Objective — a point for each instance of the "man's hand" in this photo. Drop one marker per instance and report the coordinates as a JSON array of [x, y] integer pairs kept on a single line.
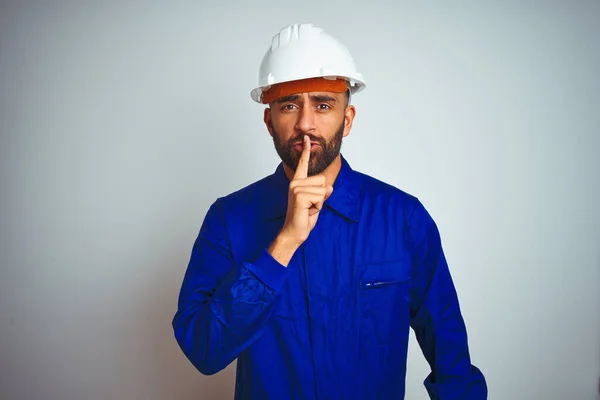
[[305, 200]]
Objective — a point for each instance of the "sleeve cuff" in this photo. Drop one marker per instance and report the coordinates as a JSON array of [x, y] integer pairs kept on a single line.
[[268, 270], [470, 387]]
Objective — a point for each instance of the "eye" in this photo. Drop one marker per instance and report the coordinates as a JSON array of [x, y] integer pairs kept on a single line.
[[323, 106], [288, 107]]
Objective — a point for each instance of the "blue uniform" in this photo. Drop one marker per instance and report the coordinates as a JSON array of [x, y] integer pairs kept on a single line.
[[335, 323]]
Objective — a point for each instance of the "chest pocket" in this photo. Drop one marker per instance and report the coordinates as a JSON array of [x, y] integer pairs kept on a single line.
[[385, 300]]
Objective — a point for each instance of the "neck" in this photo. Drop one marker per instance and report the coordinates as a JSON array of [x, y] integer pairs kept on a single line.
[[330, 173]]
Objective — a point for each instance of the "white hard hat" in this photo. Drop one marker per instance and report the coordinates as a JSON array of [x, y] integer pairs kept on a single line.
[[302, 51]]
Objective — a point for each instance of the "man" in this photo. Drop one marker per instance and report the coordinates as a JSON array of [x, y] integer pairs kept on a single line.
[[312, 276]]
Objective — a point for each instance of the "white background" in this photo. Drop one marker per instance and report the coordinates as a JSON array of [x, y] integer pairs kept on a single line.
[[121, 122]]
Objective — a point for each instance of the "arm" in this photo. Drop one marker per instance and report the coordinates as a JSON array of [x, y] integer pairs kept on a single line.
[[223, 306], [436, 318]]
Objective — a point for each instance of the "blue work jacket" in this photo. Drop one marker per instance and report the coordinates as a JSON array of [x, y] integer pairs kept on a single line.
[[335, 323]]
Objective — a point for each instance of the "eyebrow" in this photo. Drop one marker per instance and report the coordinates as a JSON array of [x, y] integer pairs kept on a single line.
[[315, 97], [286, 99], [323, 98]]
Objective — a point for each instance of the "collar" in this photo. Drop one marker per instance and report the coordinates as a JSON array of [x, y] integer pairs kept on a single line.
[[345, 199]]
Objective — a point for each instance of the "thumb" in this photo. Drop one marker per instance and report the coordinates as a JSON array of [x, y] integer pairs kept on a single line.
[[329, 192]]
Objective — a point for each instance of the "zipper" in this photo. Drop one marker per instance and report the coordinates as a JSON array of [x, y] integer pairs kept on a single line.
[[375, 285]]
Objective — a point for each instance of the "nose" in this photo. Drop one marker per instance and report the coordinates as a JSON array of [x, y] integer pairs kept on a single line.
[[306, 119]]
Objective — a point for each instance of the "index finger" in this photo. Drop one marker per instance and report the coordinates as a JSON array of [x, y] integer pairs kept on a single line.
[[302, 168]]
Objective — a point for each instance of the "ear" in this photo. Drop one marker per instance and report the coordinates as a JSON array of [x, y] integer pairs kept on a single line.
[[267, 119], [349, 115]]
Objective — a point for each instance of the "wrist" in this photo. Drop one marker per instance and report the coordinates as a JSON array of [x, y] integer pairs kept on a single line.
[[283, 248], [288, 241]]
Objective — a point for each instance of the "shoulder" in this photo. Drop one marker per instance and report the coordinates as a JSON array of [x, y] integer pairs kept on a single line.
[[381, 196], [248, 198], [397, 205], [379, 191]]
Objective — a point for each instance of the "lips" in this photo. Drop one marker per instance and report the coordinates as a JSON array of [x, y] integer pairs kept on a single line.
[[300, 146]]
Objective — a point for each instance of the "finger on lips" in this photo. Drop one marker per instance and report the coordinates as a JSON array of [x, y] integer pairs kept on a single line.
[[302, 169]]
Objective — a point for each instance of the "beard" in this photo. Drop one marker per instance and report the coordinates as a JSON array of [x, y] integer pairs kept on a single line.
[[320, 158]]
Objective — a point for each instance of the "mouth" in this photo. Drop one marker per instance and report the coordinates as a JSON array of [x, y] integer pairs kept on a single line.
[[299, 146]]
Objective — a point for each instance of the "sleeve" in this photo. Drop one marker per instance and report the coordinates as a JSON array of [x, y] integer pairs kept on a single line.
[[436, 317], [222, 306]]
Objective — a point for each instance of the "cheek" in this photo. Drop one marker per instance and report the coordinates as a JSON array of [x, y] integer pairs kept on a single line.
[[329, 125], [283, 133], [278, 136]]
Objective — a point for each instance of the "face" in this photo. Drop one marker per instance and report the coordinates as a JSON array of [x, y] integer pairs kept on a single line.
[[323, 152], [323, 116]]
